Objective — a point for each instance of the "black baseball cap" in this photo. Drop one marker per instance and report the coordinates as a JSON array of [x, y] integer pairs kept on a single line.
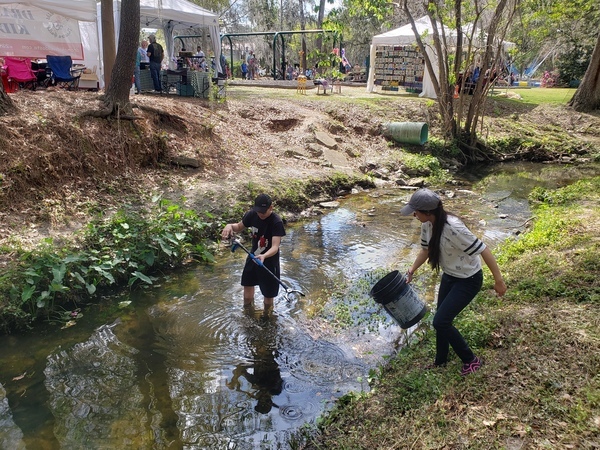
[[262, 203]]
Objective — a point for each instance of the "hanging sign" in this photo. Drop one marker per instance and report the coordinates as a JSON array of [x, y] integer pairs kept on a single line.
[[30, 32]]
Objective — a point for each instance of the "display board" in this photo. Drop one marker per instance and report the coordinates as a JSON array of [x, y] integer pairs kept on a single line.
[[399, 66]]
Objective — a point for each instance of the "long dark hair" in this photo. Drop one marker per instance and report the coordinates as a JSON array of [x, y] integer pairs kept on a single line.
[[433, 249]]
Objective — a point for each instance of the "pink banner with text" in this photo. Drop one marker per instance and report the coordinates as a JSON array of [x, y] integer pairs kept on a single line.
[[30, 32]]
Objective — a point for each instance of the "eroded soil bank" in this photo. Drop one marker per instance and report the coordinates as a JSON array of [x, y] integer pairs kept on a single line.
[[57, 168]]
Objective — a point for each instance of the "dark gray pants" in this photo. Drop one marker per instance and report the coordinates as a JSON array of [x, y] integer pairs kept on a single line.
[[155, 74], [454, 295]]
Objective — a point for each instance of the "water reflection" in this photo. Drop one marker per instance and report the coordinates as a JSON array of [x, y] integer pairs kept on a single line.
[[95, 395], [261, 371], [11, 435], [235, 378]]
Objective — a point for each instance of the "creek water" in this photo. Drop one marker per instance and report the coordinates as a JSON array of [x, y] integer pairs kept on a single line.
[[182, 365]]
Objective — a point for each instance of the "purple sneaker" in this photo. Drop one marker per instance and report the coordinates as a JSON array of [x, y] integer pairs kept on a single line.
[[472, 367]]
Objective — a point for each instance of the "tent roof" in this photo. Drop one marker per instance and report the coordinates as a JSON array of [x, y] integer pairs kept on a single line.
[[153, 13], [403, 35], [83, 10], [176, 13]]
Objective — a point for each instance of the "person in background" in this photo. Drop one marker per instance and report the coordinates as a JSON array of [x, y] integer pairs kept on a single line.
[[244, 68], [267, 230], [448, 244], [155, 54], [224, 67], [252, 66], [200, 56], [143, 49], [140, 57]]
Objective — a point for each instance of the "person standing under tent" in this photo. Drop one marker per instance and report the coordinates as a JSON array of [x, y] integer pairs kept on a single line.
[[200, 58], [267, 230], [140, 57], [155, 54], [448, 244]]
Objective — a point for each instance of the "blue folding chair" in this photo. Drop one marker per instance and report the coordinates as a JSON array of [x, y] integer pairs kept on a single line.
[[62, 73]]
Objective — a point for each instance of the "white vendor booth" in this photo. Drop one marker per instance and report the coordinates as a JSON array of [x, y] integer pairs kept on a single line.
[[36, 28], [397, 62]]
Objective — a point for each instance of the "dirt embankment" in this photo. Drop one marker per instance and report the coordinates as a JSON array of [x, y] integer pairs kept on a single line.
[[57, 168]]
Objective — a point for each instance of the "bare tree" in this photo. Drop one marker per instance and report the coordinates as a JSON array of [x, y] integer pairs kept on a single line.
[[441, 83], [461, 118], [587, 95]]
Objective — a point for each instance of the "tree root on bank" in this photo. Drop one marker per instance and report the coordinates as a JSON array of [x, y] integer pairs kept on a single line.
[[165, 118], [150, 109], [7, 106], [111, 110], [478, 152]]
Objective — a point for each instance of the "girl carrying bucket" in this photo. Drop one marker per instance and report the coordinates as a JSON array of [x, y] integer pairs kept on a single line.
[[448, 244]]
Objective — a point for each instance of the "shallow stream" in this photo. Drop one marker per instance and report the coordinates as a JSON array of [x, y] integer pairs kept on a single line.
[[182, 365]]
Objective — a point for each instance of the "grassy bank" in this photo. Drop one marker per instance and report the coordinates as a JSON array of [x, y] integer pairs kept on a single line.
[[540, 384]]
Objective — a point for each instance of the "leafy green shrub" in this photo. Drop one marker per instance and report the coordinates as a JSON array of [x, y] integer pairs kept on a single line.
[[128, 248]]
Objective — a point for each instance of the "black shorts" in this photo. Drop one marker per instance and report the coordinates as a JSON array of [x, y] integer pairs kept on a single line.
[[254, 275]]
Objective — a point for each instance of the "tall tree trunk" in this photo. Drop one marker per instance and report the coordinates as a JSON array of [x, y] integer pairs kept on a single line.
[[302, 27], [587, 95], [108, 38], [7, 106], [116, 100], [121, 79], [320, 17]]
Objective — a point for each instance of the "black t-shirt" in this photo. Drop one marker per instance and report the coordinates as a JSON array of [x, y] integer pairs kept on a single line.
[[156, 52], [263, 231]]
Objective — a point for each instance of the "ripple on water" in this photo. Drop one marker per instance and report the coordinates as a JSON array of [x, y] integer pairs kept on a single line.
[[291, 412], [294, 386], [318, 363]]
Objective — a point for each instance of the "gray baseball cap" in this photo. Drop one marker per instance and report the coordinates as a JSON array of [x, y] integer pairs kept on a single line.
[[422, 200]]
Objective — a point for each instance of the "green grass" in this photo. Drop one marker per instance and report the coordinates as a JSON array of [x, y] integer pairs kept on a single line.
[[541, 96]]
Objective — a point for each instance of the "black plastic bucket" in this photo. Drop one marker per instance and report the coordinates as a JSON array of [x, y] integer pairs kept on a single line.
[[399, 299]]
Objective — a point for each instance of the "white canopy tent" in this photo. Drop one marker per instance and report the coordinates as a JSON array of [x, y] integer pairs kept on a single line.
[[35, 28], [405, 36], [167, 15], [172, 16]]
